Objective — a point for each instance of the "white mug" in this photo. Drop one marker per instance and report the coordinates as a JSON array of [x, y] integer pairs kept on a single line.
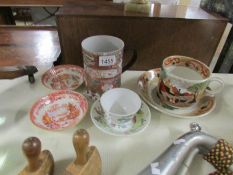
[[103, 57]]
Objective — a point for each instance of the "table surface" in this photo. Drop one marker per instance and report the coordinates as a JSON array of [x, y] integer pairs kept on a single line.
[[37, 46], [120, 155]]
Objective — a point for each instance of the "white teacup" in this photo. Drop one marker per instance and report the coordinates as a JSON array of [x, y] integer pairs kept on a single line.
[[120, 106]]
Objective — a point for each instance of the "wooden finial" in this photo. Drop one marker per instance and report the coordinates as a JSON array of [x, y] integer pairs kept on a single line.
[[39, 163], [32, 148], [87, 160], [81, 143]]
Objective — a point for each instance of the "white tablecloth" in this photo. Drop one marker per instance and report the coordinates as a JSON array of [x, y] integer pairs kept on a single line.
[[120, 155]]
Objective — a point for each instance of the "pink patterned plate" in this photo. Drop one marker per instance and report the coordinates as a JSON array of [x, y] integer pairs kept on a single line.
[[59, 110], [63, 77]]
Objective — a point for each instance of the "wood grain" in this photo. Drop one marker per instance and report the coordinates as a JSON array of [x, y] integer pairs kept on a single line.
[[39, 162], [33, 3], [87, 161], [174, 32], [36, 46], [104, 8]]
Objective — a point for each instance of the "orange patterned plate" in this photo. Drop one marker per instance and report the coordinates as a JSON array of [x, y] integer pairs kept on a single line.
[[63, 77], [59, 110]]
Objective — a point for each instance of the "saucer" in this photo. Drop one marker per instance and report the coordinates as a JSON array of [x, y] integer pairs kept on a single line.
[[59, 110], [63, 77], [141, 120], [147, 87]]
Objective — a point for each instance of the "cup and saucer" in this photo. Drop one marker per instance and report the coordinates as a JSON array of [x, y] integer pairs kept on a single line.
[[180, 88], [120, 112]]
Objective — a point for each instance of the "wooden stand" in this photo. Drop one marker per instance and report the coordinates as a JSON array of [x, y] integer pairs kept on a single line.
[[88, 161], [39, 163]]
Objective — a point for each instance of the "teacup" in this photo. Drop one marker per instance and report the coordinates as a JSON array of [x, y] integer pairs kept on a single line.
[[120, 106], [184, 81]]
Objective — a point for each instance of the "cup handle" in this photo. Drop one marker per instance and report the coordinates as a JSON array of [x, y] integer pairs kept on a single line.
[[131, 61], [213, 91]]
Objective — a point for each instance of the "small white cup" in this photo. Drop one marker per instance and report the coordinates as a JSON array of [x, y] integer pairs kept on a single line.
[[120, 106]]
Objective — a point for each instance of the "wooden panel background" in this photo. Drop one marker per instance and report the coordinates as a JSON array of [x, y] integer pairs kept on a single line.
[[153, 38], [42, 3]]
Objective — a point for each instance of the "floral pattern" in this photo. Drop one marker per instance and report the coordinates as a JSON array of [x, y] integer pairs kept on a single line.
[[178, 92], [148, 90], [140, 121], [59, 110], [99, 78], [187, 62], [63, 77]]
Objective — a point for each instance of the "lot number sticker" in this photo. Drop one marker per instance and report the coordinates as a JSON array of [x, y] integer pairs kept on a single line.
[[107, 60]]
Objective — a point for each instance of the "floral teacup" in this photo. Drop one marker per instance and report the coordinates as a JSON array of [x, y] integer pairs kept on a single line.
[[120, 106], [184, 81]]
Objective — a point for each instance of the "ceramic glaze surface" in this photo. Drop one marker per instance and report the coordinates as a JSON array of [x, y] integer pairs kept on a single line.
[[120, 101], [59, 110], [185, 73], [183, 81], [120, 106], [148, 89], [140, 121], [102, 58], [63, 77]]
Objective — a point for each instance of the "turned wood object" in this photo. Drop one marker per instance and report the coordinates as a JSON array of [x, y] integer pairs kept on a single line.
[[39, 162], [87, 161]]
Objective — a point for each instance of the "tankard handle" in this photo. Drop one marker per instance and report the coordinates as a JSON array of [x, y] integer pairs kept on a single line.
[[131, 61]]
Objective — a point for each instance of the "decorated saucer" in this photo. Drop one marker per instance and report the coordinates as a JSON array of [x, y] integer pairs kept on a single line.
[[63, 77], [59, 110], [141, 120], [147, 87]]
